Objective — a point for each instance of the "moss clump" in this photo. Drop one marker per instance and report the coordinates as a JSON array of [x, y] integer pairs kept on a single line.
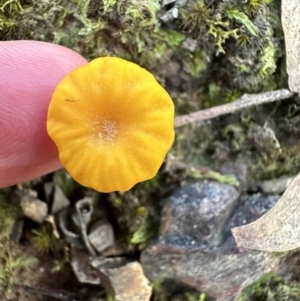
[[45, 242], [271, 287], [210, 40], [199, 19], [9, 213], [11, 257], [247, 32], [12, 262]]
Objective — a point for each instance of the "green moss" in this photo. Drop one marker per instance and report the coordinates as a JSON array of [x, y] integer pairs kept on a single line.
[[9, 213], [268, 64], [199, 19], [252, 6], [271, 287], [44, 240], [12, 262], [195, 297], [219, 95], [247, 32], [145, 230], [213, 175], [12, 258], [10, 10], [136, 214], [237, 48], [195, 63], [233, 13], [108, 5]]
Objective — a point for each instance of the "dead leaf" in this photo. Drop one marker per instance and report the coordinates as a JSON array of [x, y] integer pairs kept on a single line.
[[291, 26], [279, 229]]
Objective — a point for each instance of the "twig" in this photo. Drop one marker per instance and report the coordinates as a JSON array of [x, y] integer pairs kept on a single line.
[[246, 101]]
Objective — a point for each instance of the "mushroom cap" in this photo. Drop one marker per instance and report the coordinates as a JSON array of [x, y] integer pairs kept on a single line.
[[112, 123]]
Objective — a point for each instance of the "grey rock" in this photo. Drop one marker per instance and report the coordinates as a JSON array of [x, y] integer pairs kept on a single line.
[[171, 14], [194, 216], [250, 208], [48, 190], [102, 236], [80, 262], [60, 201], [196, 248], [34, 208], [219, 276], [17, 230], [241, 171], [167, 2], [124, 279], [275, 186]]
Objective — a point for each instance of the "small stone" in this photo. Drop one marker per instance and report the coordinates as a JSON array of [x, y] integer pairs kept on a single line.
[[189, 44], [48, 190], [205, 256], [195, 214], [102, 236], [60, 201], [275, 186], [80, 262], [125, 280], [170, 15], [167, 2], [17, 230], [241, 171], [34, 208], [250, 209]]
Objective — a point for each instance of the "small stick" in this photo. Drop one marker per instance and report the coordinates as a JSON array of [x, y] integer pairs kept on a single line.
[[245, 101]]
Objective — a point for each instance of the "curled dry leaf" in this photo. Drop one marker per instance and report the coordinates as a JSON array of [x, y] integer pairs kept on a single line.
[[279, 229], [290, 22]]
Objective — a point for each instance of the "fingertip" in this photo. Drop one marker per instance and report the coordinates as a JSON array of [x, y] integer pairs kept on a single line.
[[29, 73]]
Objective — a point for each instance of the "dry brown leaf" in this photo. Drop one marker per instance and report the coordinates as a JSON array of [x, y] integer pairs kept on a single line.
[[291, 26], [279, 229]]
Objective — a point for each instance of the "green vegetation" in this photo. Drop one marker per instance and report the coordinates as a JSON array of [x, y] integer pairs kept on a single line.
[[247, 32], [45, 242], [162, 294], [271, 287], [12, 263], [211, 54], [136, 214], [11, 257]]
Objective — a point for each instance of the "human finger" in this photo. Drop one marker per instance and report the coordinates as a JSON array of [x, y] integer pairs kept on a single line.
[[29, 73]]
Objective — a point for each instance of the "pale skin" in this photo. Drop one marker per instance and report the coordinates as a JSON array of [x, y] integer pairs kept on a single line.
[[29, 73]]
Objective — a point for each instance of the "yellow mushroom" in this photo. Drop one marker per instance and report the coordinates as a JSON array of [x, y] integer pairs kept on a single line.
[[112, 124]]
